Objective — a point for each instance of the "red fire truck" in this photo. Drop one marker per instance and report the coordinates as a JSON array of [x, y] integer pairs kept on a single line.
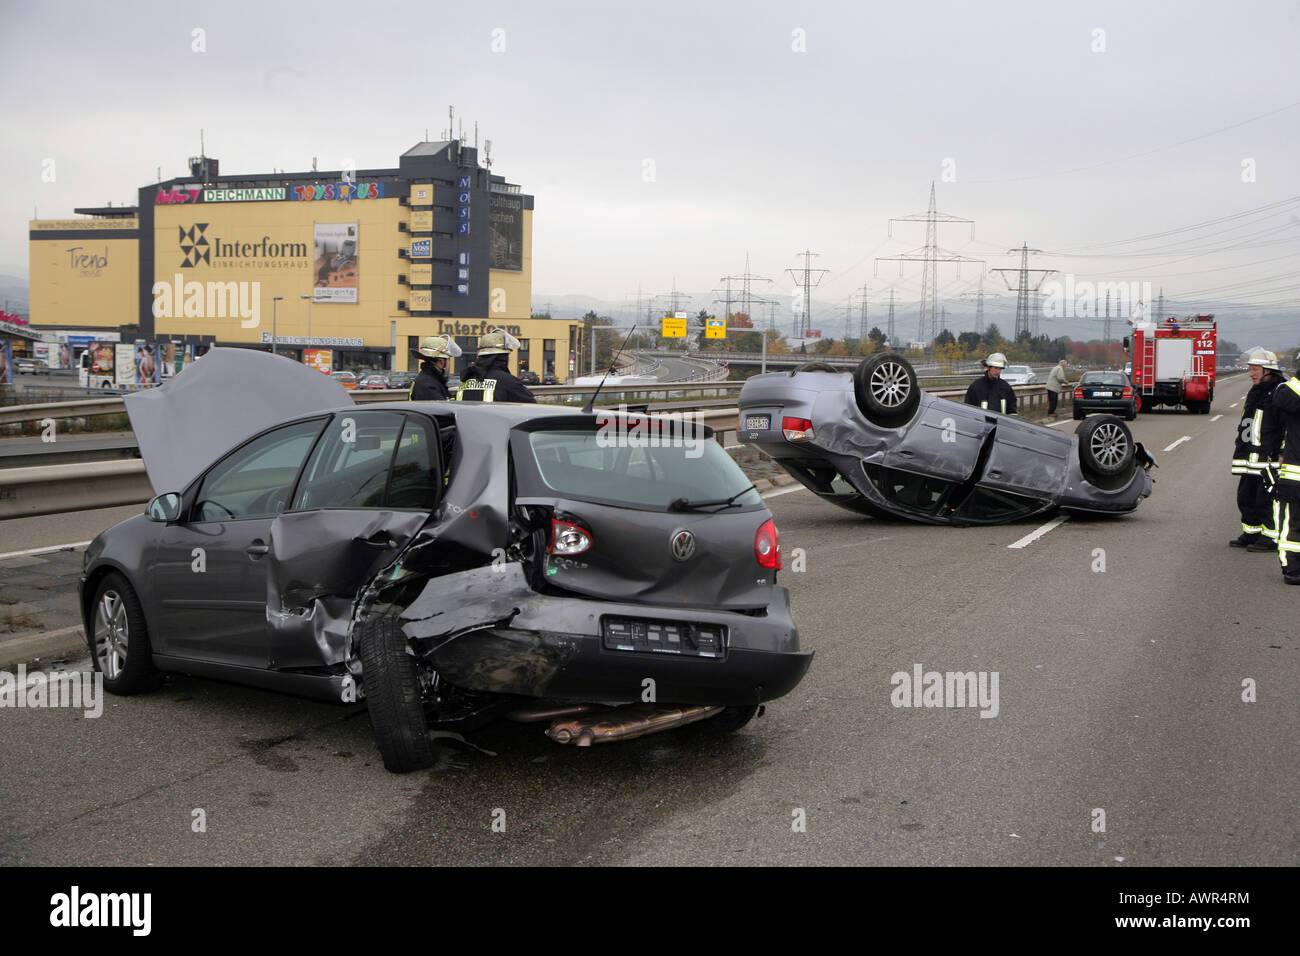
[[1173, 362]]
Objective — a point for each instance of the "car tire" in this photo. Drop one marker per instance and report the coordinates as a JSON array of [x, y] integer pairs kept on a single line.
[[730, 720], [886, 389], [392, 688], [1132, 413], [817, 367], [1105, 446], [119, 639], [1078, 414]]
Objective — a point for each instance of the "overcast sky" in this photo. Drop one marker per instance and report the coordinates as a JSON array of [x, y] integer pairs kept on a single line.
[[665, 140]]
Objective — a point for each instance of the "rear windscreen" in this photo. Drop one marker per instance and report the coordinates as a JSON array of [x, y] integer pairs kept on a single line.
[[627, 469], [1104, 378]]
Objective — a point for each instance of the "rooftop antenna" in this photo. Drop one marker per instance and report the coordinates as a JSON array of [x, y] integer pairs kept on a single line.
[[476, 134], [313, 164]]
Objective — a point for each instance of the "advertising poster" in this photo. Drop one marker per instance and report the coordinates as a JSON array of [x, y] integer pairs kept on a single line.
[[507, 232], [322, 360], [124, 373], [335, 266], [6, 362], [147, 369], [46, 352]]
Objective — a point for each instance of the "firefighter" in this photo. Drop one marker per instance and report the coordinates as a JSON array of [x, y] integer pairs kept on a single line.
[[431, 384], [1286, 493], [1257, 438], [488, 377], [989, 391]]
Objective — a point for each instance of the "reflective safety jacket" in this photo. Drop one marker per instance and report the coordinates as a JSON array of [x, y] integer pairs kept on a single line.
[[1286, 401], [993, 394], [477, 390], [1259, 432]]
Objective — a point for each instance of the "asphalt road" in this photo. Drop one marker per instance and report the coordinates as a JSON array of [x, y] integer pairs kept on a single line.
[[1119, 690]]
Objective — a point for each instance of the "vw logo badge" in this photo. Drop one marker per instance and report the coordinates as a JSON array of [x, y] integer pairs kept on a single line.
[[683, 545]]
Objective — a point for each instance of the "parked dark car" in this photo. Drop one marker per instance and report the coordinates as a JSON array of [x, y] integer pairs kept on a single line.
[[400, 379], [550, 380], [445, 562], [529, 378], [873, 442], [1105, 392]]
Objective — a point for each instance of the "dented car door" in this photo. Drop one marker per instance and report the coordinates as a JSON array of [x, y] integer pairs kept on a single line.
[[369, 486]]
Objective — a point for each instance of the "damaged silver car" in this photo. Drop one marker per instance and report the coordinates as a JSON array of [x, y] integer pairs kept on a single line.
[[448, 563], [875, 443]]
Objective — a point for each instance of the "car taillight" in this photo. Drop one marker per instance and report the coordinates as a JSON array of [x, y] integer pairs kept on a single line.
[[767, 546], [1078, 391], [797, 429], [1128, 392], [568, 538]]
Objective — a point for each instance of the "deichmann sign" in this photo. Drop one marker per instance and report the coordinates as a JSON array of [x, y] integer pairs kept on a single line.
[[260, 194]]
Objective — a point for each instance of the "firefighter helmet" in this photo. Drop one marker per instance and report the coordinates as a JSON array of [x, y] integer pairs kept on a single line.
[[439, 346], [996, 360], [497, 342], [1261, 357]]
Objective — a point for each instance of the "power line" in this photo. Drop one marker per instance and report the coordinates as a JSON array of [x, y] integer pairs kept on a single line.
[[806, 281], [1022, 286]]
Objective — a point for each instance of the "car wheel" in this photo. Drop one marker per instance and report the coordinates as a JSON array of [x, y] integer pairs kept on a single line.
[[1105, 446], [816, 367], [119, 639], [392, 687], [730, 720], [886, 389]]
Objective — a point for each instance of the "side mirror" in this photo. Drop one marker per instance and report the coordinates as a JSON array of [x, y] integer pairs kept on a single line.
[[165, 507]]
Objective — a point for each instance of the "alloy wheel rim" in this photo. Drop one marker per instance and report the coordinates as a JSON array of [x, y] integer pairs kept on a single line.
[[1109, 446], [111, 634], [890, 385]]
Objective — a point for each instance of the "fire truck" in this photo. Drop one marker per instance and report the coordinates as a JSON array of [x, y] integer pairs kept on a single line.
[[1173, 362]]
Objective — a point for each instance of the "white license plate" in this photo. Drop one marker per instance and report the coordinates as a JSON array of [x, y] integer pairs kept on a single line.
[[756, 423], [1103, 394]]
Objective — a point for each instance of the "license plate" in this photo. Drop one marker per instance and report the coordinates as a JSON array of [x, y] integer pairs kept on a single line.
[[1103, 394], [757, 423], [663, 637]]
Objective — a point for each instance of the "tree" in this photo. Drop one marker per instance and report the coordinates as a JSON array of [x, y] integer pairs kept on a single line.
[[944, 339], [739, 320], [875, 340], [969, 342]]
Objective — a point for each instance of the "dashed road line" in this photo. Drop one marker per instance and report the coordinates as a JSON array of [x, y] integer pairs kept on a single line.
[[1233, 405], [1033, 536], [784, 491], [1174, 445], [1216, 418]]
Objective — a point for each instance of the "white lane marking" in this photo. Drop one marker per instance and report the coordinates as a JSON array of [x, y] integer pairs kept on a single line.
[[53, 547], [1216, 418], [1033, 536], [1054, 424], [783, 491], [1177, 443], [1233, 405]]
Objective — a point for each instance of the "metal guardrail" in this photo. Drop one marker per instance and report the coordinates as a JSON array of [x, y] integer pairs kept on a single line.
[[55, 489]]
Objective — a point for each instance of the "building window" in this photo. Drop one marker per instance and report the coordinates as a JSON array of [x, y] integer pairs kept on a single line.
[[548, 355], [523, 354]]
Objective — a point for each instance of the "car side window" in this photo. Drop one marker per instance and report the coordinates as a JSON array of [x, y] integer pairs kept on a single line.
[[256, 480], [416, 473], [351, 464]]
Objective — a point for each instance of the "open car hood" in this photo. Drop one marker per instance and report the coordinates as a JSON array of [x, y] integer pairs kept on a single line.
[[224, 397]]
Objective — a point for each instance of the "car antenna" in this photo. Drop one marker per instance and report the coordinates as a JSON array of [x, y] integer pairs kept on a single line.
[[586, 409]]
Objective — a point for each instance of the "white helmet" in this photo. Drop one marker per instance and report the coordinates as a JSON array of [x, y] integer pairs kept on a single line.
[[1261, 357], [996, 360]]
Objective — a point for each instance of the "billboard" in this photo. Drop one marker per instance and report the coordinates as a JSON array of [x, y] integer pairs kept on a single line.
[[322, 360], [124, 368], [336, 263], [146, 365], [507, 232], [172, 357]]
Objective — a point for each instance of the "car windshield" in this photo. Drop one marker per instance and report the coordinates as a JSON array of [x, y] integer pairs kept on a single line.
[[1103, 378], [619, 468], [1018, 370]]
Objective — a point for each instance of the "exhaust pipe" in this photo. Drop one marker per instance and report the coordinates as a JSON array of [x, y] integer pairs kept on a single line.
[[624, 723], [526, 715]]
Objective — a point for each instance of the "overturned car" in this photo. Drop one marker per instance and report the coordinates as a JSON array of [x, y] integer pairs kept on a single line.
[[448, 562], [873, 442]]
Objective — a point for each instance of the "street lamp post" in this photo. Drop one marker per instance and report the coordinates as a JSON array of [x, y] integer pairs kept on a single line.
[[274, 337], [309, 298]]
